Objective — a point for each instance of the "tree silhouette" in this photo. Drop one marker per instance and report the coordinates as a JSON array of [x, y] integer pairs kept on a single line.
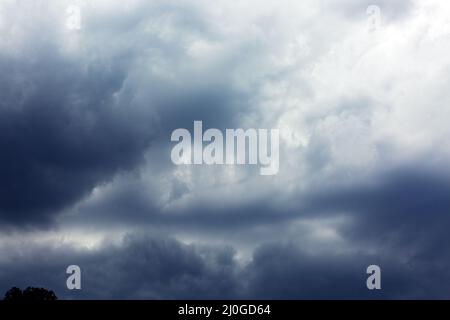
[[13, 294], [30, 294]]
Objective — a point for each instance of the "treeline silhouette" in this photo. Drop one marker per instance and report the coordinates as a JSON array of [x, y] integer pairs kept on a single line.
[[30, 294]]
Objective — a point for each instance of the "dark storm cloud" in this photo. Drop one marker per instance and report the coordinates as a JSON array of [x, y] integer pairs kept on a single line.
[[133, 206], [61, 133], [410, 202], [401, 216], [283, 271], [404, 207], [70, 122], [68, 125], [141, 268], [161, 268]]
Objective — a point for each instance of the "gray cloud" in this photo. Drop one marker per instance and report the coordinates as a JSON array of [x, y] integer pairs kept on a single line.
[[85, 121], [162, 269], [411, 202], [166, 269], [73, 121], [63, 134]]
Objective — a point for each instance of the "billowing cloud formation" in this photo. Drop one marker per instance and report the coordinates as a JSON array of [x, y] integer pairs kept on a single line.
[[166, 269], [63, 136], [76, 112], [362, 108]]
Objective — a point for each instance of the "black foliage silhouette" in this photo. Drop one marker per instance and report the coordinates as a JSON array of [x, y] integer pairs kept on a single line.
[[30, 294]]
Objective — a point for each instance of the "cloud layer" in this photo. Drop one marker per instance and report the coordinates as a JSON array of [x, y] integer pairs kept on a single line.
[[86, 177]]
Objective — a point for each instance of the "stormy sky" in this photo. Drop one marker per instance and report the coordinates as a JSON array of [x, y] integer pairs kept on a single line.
[[361, 102]]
